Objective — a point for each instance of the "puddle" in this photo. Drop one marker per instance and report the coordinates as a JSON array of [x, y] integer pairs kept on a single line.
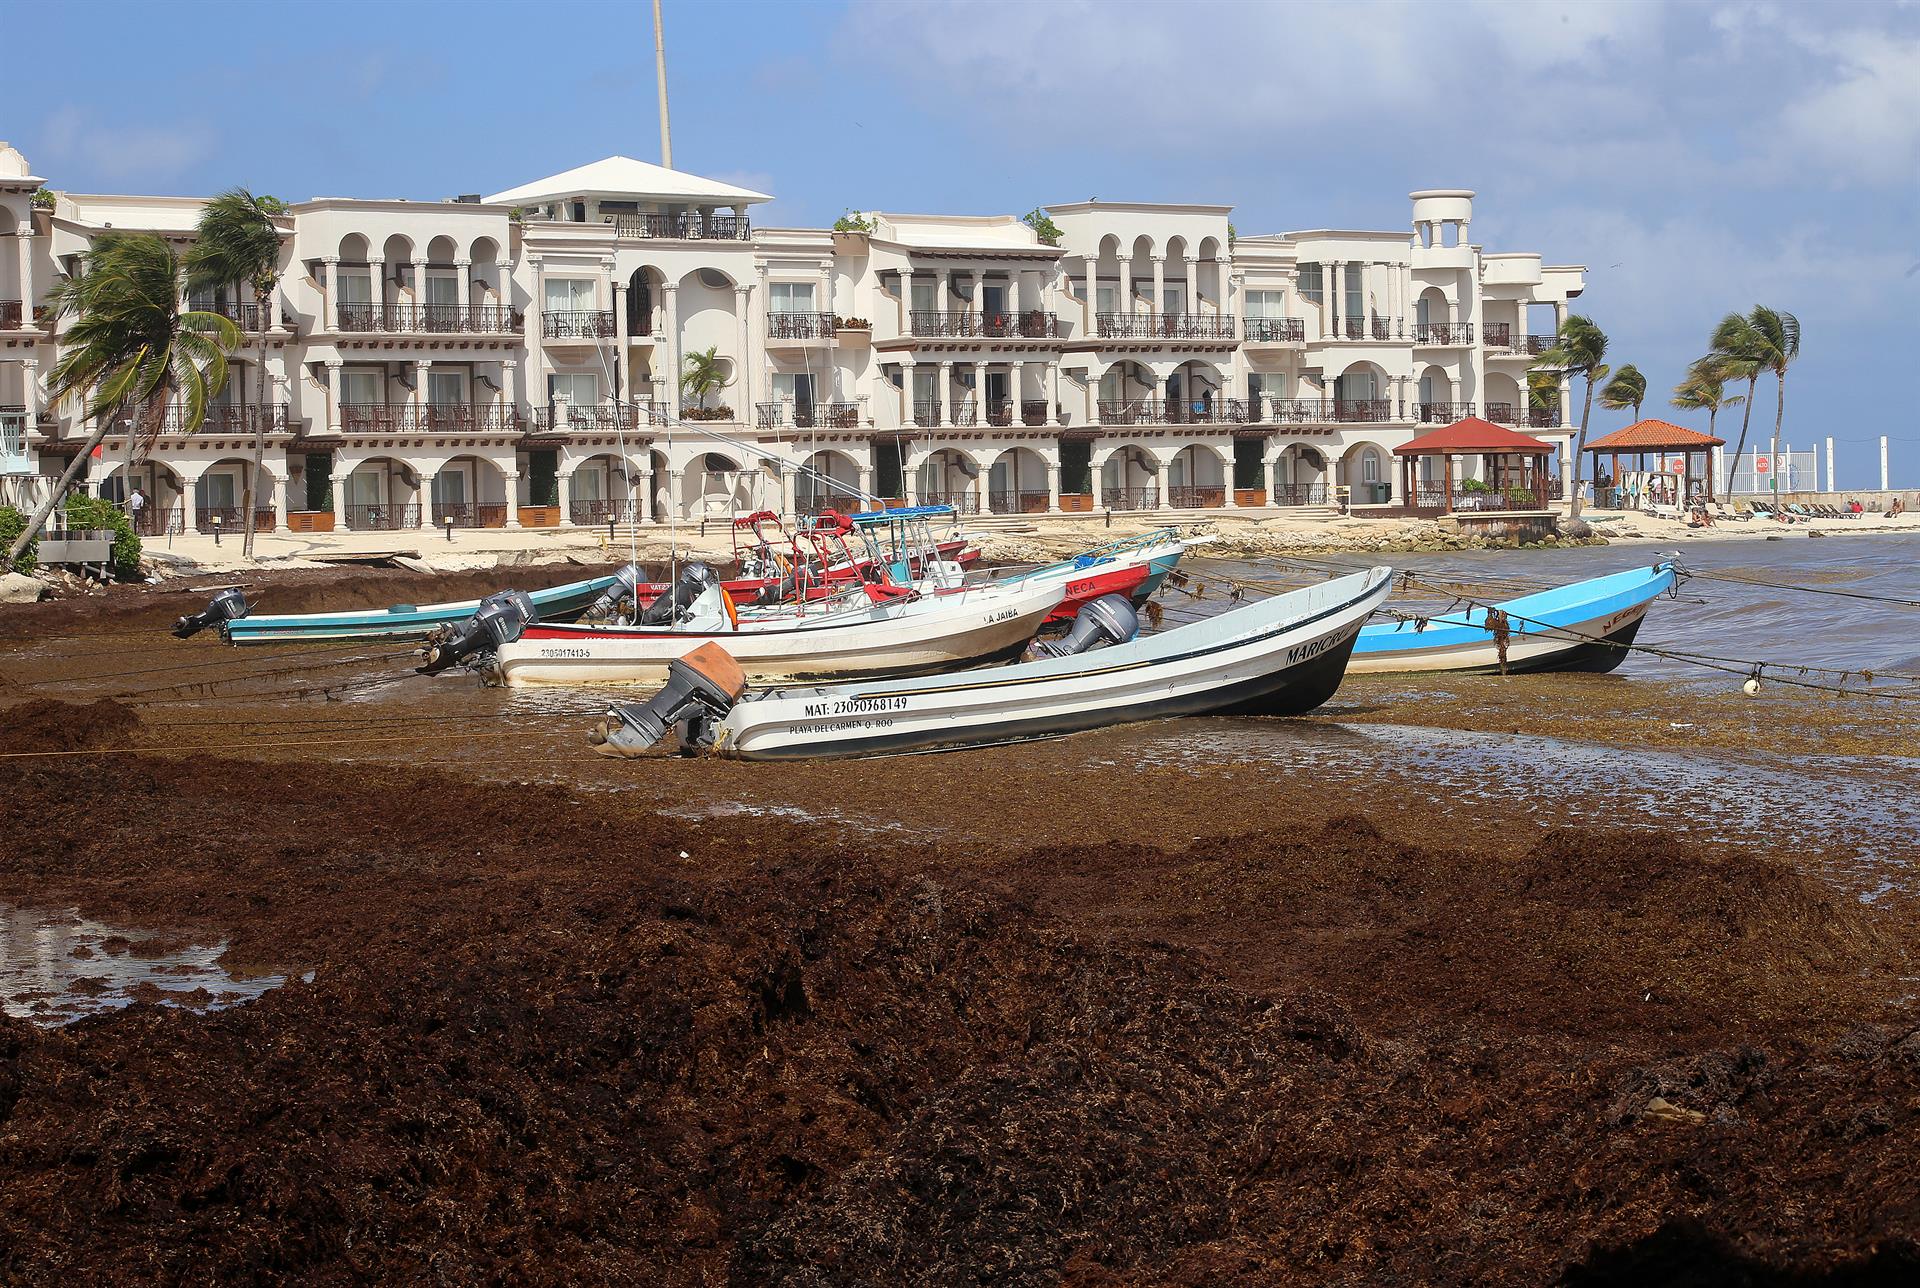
[[57, 967]]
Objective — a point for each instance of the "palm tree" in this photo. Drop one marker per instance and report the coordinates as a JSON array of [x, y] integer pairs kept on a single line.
[[1628, 388], [1778, 344], [1735, 356], [1705, 389], [704, 376], [237, 241], [1578, 350], [131, 350]]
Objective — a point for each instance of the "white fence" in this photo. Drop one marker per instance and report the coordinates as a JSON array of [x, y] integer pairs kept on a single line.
[[1759, 471]]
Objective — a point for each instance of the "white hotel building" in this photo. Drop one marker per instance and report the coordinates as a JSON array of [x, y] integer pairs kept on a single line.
[[506, 361]]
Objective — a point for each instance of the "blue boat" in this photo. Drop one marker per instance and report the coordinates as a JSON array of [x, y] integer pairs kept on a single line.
[[1585, 626], [403, 621]]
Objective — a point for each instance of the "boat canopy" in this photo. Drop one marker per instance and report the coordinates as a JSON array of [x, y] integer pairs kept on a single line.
[[898, 514]]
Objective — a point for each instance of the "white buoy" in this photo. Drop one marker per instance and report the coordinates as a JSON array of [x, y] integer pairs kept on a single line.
[[1751, 687]]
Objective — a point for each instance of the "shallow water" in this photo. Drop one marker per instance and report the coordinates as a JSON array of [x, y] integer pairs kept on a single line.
[[57, 967]]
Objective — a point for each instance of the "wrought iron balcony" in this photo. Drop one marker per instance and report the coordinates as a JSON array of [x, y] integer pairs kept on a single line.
[[1276, 331], [1165, 411], [577, 324], [1362, 410], [807, 415], [1130, 498], [939, 323], [926, 411], [596, 418], [1499, 335], [1535, 344], [1299, 494], [1502, 413], [1443, 333], [1025, 501], [419, 319], [1439, 413], [962, 502], [1197, 497], [229, 420], [382, 518], [374, 418], [1029, 325], [800, 326], [691, 227], [469, 514], [1164, 326], [1033, 411], [1372, 328], [11, 311], [1543, 418], [248, 317]]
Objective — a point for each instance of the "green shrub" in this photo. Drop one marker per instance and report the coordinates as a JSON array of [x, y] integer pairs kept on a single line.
[[90, 513], [853, 222], [12, 524], [1042, 225]]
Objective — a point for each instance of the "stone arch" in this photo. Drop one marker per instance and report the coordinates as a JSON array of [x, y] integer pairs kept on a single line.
[[1430, 307], [471, 490], [397, 271], [1197, 477], [1210, 248], [382, 493], [1300, 474], [354, 248], [709, 319], [1434, 395], [219, 488], [1017, 482], [1196, 390], [1367, 470], [442, 250], [812, 495], [949, 476], [1506, 401], [716, 485], [1360, 390], [1130, 478], [601, 486], [168, 494], [644, 300]]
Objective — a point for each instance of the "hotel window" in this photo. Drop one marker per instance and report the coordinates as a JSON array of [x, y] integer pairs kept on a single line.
[[1369, 468], [356, 288], [1313, 283], [569, 295], [442, 288], [446, 388], [358, 388], [1109, 301], [795, 387], [582, 388], [1356, 300], [1266, 304], [791, 297]]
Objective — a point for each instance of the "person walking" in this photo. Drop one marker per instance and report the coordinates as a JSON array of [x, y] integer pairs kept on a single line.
[[135, 504]]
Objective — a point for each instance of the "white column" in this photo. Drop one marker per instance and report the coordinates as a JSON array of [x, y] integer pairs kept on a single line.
[[943, 394], [1159, 284], [505, 300], [979, 393], [1192, 266], [23, 244], [1053, 487], [1093, 292], [906, 395], [329, 316], [340, 500], [419, 281], [1098, 477], [671, 393], [333, 395], [1885, 477], [463, 285], [1224, 267], [747, 376], [377, 282], [946, 291], [826, 304], [282, 500], [30, 386], [565, 482], [1053, 393], [1830, 484], [421, 367], [512, 481], [1126, 283], [906, 301], [623, 348]]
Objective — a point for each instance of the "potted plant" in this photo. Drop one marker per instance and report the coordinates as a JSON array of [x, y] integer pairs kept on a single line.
[[1043, 226], [1076, 502], [702, 375], [852, 233]]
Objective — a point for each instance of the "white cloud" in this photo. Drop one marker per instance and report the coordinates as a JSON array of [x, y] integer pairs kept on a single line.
[[1861, 121], [113, 152]]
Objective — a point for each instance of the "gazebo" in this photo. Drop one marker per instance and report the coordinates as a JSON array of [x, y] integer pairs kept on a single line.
[[1674, 445], [1514, 467]]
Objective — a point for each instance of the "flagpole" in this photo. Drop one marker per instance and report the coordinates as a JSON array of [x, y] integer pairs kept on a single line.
[[660, 79]]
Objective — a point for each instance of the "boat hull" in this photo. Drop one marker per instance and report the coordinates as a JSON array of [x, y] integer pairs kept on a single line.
[[1284, 669], [406, 621], [935, 634], [1586, 627]]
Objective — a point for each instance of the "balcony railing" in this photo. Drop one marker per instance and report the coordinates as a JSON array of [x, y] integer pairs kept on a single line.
[[11, 311], [1502, 413], [1499, 335], [248, 317], [1131, 498], [967, 502], [1301, 411], [1300, 494], [799, 326], [1539, 418], [1197, 498], [966, 412], [1443, 333], [1033, 411], [691, 227], [1025, 502], [423, 319], [577, 324], [1362, 410], [230, 518], [469, 514], [1164, 326], [937, 323], [595, 418], [230, 420], [800, 415], [600, 510], [1434, 496], [926, 411], [1368, 328], [374, 418], [159, 521], [1439, 413], [1030, 325], [1276, 331], [1535, 344], [1166, 411], [382, 518]]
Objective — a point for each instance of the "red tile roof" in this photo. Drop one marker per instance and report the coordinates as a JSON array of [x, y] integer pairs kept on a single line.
[[1473, 436], [1655, 436]]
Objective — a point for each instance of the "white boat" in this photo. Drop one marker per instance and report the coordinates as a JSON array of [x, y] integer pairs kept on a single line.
[[1277, 657], [895, 635]]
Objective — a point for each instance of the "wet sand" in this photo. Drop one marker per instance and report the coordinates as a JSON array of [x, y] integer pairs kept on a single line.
[[1343, 999]]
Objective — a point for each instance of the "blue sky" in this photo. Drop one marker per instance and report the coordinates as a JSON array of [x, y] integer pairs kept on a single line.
[[1696, 157]]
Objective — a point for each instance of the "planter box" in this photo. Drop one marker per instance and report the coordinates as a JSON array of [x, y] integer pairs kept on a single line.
[[1076, 504], [539, 516], [310, 521], [1253, 496]]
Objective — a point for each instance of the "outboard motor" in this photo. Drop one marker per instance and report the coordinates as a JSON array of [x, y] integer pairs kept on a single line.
[[227, 606], [777, 592], [626, 585], [695, 580], [499, 620], [1110, 619], [701, 687]]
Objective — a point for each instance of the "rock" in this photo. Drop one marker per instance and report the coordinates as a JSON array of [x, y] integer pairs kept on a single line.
[[18, 588], [1577, 528]]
